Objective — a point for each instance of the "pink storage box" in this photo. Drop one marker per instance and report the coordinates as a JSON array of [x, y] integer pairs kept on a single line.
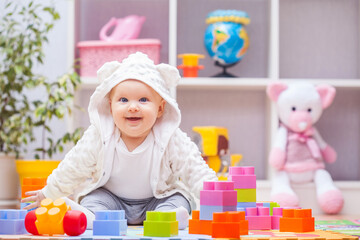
[[93, 54]]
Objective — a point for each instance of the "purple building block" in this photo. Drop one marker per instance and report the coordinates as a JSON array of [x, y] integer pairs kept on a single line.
[[110, 223], [12, 221]]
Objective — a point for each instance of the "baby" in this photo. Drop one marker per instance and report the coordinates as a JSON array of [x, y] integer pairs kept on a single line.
[[133, 157]]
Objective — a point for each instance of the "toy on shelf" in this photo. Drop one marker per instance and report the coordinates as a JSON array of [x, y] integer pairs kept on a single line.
[[55, 218], [190, 64], [125, 28], [299, 152], [161, 224], [12, 221], [226, 39], [213, 143], [110, 223]]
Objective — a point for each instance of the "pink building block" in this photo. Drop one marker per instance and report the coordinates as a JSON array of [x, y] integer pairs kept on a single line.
[[275, 218], [218, 194], [243, 177], [259, 218]]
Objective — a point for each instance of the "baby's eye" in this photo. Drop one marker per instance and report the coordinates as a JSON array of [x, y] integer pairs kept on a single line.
[[294, 109], [123, 99], [309, 110], [144, 99]]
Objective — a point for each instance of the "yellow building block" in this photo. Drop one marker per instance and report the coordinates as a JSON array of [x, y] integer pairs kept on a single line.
[[246, 195], [50, 216]]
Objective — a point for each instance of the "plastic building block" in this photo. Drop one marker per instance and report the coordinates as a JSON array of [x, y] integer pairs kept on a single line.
[[12, 221], [190, 64], [297, 220], [161, 224], [110, 223], [246, 195], [218, 194], [270, 205], [32, 184], [197, 226], [275, 218], [243, 177], [259, 218], [229, 225], [246, 204], [55, 217], [206, 212]]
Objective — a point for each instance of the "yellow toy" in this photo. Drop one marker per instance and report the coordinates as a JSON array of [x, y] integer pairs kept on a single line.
[[55, 218], [213, 143], [50, 216]]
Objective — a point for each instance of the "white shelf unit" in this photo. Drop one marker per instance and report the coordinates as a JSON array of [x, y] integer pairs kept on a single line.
[[290, 40]]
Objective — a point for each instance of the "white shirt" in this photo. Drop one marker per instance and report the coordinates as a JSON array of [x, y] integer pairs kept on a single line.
[[130, 175]]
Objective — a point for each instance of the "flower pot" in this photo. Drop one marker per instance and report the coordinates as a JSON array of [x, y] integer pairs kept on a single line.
[[35, 168], [9, 179]]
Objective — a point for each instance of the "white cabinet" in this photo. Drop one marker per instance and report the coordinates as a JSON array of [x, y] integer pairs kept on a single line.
[[290, 40]]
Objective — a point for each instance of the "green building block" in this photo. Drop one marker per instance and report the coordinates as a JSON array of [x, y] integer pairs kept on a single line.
[[161, 224], [246, 195]]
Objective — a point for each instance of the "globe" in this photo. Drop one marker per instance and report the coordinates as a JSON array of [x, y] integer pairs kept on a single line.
[[226, 39]]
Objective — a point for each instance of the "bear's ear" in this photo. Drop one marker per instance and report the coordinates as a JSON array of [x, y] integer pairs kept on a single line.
[[274, 90], [327, 94]]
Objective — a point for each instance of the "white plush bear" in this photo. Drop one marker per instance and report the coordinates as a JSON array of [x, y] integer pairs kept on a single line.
[[299, 151]]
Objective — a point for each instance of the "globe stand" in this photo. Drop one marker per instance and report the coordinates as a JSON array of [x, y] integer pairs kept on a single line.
[[224, 73]]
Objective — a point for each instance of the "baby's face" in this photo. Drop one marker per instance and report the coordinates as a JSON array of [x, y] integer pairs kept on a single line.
[[135, 107]]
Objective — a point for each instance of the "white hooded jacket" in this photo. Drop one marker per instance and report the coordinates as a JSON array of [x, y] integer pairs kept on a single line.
[[177, 162]]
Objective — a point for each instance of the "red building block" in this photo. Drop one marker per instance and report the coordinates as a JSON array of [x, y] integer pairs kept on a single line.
[[259, 218], [229, 225], [297, 220], [197, 226]]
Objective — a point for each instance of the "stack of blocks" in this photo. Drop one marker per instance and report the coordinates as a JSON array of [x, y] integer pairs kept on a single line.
[[217, 197], [297, 220], [244, 179], [161, 224], [12, 221], [110, 223]]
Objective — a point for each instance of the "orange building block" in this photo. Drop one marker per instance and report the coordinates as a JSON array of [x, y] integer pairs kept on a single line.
[[50, 216], [32, 184], [229, 225], [297, 220], [197, 226]]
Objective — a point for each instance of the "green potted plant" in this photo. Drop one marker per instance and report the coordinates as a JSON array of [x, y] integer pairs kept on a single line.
[[23, 33]]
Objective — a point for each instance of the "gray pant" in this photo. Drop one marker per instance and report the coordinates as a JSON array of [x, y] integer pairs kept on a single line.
[[135, 209]]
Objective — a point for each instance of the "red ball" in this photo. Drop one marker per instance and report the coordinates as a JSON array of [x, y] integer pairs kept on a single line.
[[74, 223], [30, 226]]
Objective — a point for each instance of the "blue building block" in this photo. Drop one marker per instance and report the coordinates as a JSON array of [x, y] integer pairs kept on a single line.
[[12, 221], [110, 223], [206, 212], [246, 204]]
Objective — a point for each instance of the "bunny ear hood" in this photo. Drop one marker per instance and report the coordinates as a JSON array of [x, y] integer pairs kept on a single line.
[[161, 78]]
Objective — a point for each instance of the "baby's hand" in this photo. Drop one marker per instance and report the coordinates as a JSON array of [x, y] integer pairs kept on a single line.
[[35, 196]]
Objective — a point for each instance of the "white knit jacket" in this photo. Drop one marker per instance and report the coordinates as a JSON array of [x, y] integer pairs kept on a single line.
[[177, 163]]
